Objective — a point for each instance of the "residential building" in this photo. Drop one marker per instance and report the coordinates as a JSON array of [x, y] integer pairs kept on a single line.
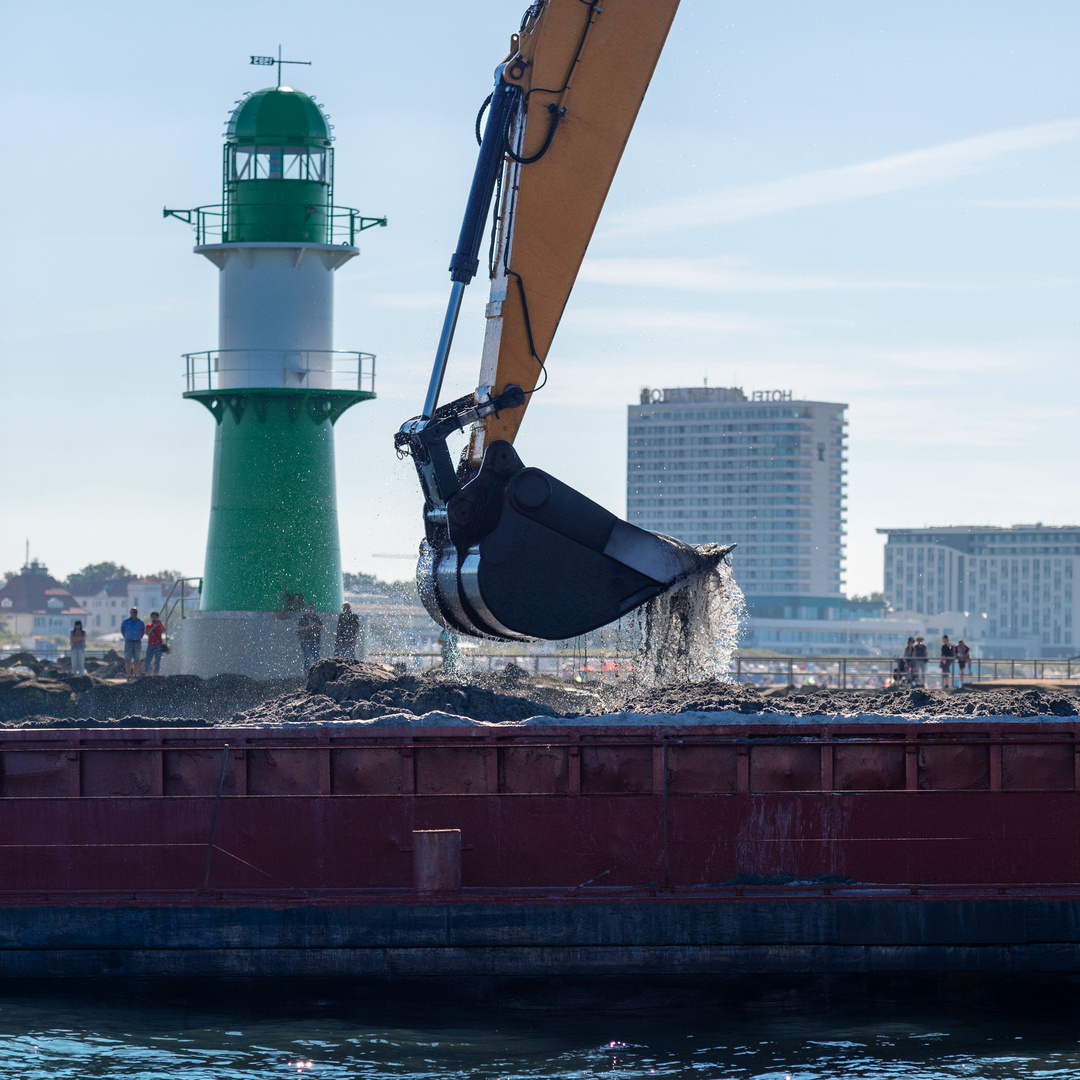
[[107, 602], [852, 628], [35, 605], [1018, 580], [764, 471]]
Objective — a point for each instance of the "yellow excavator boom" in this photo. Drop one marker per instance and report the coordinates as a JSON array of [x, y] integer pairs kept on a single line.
[[583, 69]]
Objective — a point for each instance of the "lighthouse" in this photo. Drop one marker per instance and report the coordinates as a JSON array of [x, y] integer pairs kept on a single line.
[[275, 386]]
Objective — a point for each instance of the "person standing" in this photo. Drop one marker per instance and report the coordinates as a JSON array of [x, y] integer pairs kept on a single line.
[[154, 641], [77, 638], [909, 659], [963, 660], [922, 654], [348, 630], [309, 630], [132, 630], [948, 655]]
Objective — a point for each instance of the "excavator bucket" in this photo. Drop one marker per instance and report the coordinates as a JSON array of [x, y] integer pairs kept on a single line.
[[523, 556]]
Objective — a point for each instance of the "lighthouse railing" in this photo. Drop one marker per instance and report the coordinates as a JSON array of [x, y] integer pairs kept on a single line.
[[284, 369], [212, 225]]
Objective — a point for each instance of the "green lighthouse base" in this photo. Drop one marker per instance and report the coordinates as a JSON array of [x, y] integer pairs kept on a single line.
[[273, 542]]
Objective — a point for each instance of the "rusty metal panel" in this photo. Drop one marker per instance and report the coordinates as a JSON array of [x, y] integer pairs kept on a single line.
[[954, 767], [436, 861], [534, 770], [35, 774], [868, 767], [119, 772], [616, 770], [283, 771], [787, 767], [196, 772], [451, 770], [365, 771], [701, 770], [1037, 767]]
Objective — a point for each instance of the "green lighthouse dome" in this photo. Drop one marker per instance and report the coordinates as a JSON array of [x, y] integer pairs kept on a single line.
[[278, 113], [278, 169]]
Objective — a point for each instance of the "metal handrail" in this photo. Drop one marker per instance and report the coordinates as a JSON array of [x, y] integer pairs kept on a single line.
[[852, 672], [212, 225], [347, 369], [839, 672], [169, 605]]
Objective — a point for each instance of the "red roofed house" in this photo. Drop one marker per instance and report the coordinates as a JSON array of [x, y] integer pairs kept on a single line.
[[37, 605]]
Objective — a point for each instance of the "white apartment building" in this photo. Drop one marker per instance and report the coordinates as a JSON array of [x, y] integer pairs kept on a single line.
[[107, 602], [1018, 580], [764, 471]]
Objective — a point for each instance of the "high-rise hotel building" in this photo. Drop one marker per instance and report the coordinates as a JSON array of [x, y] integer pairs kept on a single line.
[[1019, 580], [765, 471]]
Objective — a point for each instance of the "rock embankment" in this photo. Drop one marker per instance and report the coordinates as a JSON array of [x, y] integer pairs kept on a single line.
[[48, 693]]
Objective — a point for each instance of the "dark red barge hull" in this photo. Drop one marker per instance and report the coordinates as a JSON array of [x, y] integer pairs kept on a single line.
[[585, 850]]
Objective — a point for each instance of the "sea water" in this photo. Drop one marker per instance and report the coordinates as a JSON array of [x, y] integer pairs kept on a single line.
[[111, 1034]]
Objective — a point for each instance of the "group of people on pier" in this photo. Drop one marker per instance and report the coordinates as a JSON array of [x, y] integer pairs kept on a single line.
[[911, 668], [132, 630]]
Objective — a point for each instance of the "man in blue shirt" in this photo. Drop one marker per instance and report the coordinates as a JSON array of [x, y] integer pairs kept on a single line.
[[133, 629]]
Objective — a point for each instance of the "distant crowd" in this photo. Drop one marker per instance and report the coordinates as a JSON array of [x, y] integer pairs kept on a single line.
[[911, 668], [309, 631]]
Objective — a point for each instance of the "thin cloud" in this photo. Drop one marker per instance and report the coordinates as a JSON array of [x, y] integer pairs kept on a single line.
[[900, 172], [1066, 203], [615, 319], [736, 275]]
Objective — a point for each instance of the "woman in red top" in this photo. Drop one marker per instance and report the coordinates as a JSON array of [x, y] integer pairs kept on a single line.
[[154, 641]]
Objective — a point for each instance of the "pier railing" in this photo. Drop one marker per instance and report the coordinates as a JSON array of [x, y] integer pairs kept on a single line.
[[875, 672], [289, 369], [826, 672], [611, 666]]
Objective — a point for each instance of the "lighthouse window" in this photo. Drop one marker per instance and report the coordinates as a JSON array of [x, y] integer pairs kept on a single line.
[[243, 163], [294, 161], [279, 163], [268, 163], [300, 163]]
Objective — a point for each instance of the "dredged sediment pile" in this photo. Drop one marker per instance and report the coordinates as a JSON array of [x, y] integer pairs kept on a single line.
[[355, 692]]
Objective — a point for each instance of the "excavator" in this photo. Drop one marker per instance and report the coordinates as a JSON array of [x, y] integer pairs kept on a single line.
[[510, 552]]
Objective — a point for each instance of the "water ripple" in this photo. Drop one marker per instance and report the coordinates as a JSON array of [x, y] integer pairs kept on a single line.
[[56, 1037]]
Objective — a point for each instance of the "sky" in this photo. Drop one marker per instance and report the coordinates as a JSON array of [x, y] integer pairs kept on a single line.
[[865, 203]]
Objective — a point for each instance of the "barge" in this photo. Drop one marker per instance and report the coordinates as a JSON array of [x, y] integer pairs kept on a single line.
[[696, 844]]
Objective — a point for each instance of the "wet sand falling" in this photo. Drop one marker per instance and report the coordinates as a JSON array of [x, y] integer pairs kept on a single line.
[[691, 633]]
